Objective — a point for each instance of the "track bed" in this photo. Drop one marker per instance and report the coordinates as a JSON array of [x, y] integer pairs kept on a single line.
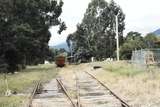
[[51, 97], [92, 94]]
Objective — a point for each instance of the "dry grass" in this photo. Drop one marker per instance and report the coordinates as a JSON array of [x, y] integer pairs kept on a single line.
[[138, 87], [23, 81], [12, 101], [133, 84]]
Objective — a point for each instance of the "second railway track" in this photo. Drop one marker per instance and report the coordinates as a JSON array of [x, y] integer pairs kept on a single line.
[[54, 94], [93, 93]]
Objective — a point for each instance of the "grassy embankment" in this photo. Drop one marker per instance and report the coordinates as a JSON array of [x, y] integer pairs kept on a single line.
[[138, 86], [123, 68], [23, 81]]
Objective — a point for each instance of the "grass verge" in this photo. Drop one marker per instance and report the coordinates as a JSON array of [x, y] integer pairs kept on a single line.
[[136, 86], [23, 81], [12, 101], [123, 68]]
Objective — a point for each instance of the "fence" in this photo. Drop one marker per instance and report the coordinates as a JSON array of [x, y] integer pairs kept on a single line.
[[146, 56]]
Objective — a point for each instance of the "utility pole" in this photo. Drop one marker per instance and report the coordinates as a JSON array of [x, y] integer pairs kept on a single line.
[[71, 52], [71, 49], [117, 38]]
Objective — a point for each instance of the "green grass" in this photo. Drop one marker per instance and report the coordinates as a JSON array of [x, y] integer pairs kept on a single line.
[[23, 81], [123, 68], [13, 101]]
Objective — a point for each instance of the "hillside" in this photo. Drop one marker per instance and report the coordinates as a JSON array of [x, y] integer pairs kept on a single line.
[[60, 46], [157, 32]]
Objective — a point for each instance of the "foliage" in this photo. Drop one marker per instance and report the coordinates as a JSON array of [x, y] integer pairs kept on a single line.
[[24, 31], [96, 33], [133, 41], [55, 52], [151, 40]]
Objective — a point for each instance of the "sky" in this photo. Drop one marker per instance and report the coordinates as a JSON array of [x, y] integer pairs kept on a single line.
[[141, 15]]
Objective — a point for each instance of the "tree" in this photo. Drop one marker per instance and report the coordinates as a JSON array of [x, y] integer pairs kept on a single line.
[[133, 41], [24, 25], [151, 40], [96, 33]]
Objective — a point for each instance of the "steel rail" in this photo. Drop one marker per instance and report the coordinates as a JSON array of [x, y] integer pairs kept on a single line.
[[123, 103], [65, 92], [38, 83], [78, 93]]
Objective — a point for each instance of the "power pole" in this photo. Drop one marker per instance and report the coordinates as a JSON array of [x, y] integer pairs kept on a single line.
[[71, 49], [71, 53], [117, 38]]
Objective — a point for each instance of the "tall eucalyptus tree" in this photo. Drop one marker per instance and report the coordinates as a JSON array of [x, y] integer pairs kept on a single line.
[[96, 33]]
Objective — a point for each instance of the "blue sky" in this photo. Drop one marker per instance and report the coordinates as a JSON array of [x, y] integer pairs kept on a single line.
[[141, 15]]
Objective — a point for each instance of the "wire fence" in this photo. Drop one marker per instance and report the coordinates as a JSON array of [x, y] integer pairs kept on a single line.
[[146, 57]]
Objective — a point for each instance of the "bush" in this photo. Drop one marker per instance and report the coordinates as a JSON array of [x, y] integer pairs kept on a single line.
[[3, 68]]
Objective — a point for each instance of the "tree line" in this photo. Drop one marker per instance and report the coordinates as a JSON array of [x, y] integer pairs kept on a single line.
[[24, 31], [96, 34], [135, 41]]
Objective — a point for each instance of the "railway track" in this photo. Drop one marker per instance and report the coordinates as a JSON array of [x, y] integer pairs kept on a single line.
[[78, 103], [54, 94], [36, 90], [94, 93], [90, 92], [65, 92], [123, 103]]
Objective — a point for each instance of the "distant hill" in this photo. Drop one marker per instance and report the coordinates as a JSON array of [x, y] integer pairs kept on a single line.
[[157, 32], [62, 45]]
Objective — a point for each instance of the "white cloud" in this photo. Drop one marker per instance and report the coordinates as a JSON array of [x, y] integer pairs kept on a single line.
[[73, 11], [141, 15]]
